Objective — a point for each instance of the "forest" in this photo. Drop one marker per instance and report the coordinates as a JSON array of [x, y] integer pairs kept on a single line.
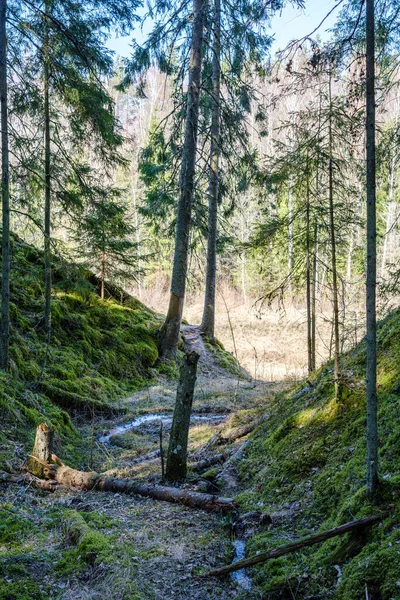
[[200, 299]]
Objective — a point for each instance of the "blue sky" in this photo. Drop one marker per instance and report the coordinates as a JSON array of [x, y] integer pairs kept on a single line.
[[291, 24]]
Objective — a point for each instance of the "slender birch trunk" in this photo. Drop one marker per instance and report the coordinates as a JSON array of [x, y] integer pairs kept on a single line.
[[5, 195], [169, 334], [372, 401], [208, 321]]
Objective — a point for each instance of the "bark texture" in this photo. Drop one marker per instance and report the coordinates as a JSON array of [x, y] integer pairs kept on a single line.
[[169, 334], [208, 321], [372, 401], [5, 195], [176, 468], [41, 450]]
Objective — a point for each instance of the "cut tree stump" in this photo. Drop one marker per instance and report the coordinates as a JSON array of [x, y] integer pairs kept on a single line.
[[90, 480], [41, 450], [358, 524]]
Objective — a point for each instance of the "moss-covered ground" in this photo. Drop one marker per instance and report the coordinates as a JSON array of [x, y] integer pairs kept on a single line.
[[99, 352], [306, 464]]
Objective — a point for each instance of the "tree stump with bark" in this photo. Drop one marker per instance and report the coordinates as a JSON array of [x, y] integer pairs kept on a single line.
[[178, 442], [42, 450]]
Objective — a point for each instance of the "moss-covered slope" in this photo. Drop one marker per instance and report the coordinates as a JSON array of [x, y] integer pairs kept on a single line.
[[307, 464], [99, 351]]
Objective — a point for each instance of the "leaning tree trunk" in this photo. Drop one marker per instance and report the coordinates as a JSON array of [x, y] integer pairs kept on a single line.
[[372, 402], [208, 321], [335, 291], [5, 195], [177, 450], [169, 334], [47, 177]]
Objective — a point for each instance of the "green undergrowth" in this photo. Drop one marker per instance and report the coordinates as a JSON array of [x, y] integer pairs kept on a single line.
[[99, 352], [306, 463], [225, 359], [43, 552]]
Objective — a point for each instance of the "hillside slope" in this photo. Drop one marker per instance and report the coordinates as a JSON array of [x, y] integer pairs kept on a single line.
[[99, 352], [305, 465]]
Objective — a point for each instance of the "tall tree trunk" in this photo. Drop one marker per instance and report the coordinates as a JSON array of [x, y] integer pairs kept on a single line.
[[308, 272], [137, 232], [169, 334], [47, 177], [243, 258], [208, 321], [372, 402], [102, 275], [290, 234], [178, 441], [335, 291], [314, 300], [5, 195], [390, 217]]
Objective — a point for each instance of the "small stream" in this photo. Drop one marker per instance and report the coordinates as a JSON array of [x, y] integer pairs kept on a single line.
[[166, 420], [240, 576]]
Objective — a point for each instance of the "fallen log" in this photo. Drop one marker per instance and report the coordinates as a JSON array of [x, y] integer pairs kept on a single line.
[[93, 546], [9, 479], [90, 480], [220, 458], [239, 433], [282, 550], [218, 439]]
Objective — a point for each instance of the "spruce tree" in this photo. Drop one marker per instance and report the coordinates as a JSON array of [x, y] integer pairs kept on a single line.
[[5, 194]]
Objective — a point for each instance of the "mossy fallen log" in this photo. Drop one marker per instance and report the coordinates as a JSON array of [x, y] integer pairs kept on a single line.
[[93, 546], [217, 459], [90, 480], [351, 526]]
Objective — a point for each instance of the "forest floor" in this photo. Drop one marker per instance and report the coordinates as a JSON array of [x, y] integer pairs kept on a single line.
[[153, 550]]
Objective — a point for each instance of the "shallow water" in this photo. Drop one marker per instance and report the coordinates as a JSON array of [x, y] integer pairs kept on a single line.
[[240, 576], [166, 419]]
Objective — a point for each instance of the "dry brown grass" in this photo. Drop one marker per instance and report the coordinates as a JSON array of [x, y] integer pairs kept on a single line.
[[271, 345]]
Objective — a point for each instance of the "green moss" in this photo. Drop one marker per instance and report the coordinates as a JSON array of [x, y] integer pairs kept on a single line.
[[100, 350], [224, 358], [13, 527], [23, 589], [311, 451]]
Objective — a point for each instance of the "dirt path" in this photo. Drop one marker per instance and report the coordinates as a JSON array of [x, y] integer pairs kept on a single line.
[[156, 549]]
